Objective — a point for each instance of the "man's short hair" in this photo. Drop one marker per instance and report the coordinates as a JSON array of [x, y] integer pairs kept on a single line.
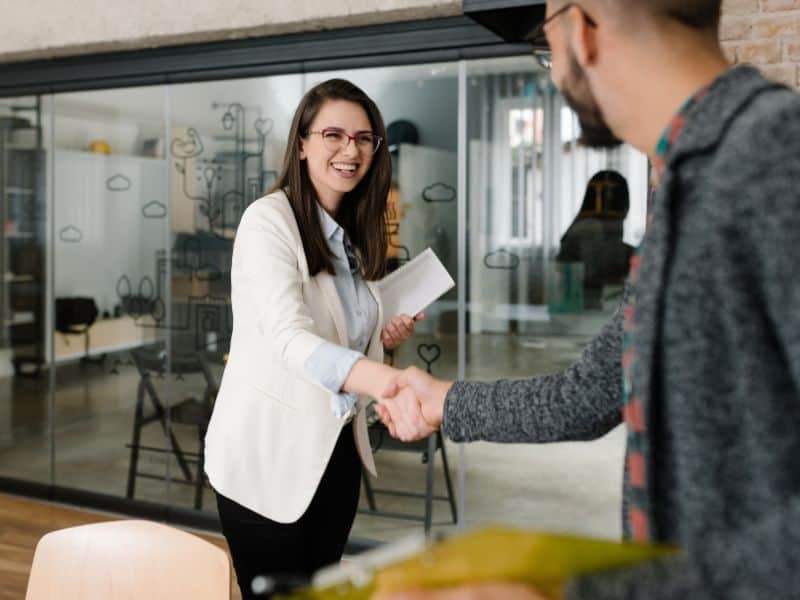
[[698, 14]]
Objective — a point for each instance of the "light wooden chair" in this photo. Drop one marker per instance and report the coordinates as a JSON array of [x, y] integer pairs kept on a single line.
[[127, 560]]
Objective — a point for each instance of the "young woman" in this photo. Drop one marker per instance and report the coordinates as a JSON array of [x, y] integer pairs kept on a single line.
[[288, 435]]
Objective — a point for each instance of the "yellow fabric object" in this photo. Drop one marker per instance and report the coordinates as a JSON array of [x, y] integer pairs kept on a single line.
[[544, 561], [99, 146]]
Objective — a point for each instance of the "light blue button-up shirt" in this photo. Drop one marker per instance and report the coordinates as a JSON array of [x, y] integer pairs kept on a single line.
[[330, 364]]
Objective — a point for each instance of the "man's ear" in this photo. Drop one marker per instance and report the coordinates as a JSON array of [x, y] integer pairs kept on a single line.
[[582, 38]]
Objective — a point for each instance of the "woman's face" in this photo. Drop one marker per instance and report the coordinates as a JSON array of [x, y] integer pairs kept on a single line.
[[336, 163]]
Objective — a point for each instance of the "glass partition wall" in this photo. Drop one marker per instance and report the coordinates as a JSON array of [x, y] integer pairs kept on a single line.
[[550, 228], [24, 401], [120, 208], [107, 230]]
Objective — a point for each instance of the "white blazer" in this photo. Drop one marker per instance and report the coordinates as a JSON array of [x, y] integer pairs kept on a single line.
[[272, 431]]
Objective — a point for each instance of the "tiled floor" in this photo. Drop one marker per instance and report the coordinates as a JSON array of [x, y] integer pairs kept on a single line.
[[560, 487]]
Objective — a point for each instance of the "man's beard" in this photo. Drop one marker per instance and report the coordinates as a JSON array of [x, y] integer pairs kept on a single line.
[[595, 133]]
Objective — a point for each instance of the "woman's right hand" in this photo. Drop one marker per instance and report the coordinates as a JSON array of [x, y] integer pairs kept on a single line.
[[370, 378]]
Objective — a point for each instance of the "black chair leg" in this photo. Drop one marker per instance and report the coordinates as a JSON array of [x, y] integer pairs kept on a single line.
[[198, 484], [429, 484], [177, 452], [368, 490], [450, 495], [161, 414], [133, 463]]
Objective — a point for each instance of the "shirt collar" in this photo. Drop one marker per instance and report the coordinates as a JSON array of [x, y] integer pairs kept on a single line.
[[330, 228], [713, 115], [667, 140], [704, 118]]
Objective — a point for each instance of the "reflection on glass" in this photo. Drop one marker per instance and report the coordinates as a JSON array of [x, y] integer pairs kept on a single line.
[[143, 219], [593, 244], [548, 249], [109, 225], [24, 412], [226, 145], [144, 213]]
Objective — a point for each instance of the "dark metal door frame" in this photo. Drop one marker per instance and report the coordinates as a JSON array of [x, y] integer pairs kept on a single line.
[[412, 42]]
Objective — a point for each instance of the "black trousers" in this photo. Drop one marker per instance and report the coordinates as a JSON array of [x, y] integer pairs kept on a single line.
[[260, 546]]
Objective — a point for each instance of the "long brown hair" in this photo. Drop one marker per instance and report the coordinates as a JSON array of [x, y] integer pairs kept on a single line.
[[363, 210]]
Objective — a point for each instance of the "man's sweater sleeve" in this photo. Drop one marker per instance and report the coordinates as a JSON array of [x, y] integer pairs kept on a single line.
[[581, 403]]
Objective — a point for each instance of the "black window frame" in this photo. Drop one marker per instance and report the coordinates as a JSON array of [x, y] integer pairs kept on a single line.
[[405, 43]]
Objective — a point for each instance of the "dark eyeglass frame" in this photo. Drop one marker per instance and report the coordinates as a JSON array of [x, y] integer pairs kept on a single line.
[[375, 138], [538, 38]]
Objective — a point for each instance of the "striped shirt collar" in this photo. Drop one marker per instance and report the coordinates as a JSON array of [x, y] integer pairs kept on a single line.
[[673, 130]]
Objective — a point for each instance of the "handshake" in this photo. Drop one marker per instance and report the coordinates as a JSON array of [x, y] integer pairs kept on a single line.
[[412, 405]]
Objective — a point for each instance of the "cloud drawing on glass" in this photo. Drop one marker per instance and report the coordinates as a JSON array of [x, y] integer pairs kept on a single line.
[[501, 260], [70, 234], [439, 192], [118, 183], [154, 210]]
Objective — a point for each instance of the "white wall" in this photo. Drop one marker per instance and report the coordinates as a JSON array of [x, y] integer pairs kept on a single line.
[[101, 233], [46, 29], [426, 95]]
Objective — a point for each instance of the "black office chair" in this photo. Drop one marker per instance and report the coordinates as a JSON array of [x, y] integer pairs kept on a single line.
[[76, 315], [189, 411], [381, 440]]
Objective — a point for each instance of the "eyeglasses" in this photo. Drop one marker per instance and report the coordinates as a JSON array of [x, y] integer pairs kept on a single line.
[[336, 139], [538, 37]]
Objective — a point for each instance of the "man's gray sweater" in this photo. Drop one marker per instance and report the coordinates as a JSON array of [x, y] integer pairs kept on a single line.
[[717, 334]]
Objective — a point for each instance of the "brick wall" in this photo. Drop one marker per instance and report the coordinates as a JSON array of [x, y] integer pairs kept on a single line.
[[765, 33]]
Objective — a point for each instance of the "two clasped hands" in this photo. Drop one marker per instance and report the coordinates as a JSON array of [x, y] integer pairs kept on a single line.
[[412, 404], [412, 408]]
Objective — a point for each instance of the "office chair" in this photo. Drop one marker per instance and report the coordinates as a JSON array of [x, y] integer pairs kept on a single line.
[[189, 411], [127, 559], [380, 439]]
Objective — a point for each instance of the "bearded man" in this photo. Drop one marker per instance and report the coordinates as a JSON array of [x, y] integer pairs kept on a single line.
[[702, 360]]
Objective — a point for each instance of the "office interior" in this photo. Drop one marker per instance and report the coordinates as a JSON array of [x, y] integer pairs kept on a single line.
[[120, 207]]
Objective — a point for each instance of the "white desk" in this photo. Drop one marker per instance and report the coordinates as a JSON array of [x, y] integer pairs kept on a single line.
[[105, 336]]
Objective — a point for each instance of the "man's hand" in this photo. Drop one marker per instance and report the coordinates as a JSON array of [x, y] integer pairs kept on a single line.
[[413, 404], [398, 330], [483, 591]]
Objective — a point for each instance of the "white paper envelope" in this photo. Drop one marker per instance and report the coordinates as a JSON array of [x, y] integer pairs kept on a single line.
[[414, 286]]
